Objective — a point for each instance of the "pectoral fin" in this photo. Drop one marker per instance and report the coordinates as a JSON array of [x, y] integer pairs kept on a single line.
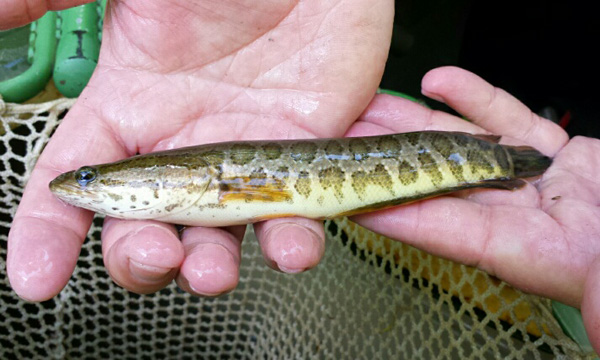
[[251, 189]]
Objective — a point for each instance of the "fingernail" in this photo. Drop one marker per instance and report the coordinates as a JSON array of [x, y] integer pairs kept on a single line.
[[204, 293], [293, 248], [290, 270], [148, 272]]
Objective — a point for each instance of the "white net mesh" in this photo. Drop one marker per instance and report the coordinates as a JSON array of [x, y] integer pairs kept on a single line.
[[369, 298]]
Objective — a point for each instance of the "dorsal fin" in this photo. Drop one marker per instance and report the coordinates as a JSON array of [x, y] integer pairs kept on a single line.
[[491, 138]]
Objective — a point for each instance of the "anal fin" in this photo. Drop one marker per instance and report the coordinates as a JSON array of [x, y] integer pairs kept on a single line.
[[506, 184]]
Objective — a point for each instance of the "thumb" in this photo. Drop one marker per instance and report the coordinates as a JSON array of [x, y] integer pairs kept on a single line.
[[18, 12]]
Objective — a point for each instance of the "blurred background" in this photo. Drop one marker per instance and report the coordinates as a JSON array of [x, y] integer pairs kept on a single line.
[[543, 52]]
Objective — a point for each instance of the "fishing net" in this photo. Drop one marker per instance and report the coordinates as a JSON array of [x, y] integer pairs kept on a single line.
[[369, 298]]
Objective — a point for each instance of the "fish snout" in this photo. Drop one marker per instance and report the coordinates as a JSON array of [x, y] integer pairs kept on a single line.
[[66, 187]]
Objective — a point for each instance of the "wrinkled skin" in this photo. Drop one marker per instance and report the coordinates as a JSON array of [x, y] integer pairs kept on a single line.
[[544, 238], [178, 73], [292, 71]]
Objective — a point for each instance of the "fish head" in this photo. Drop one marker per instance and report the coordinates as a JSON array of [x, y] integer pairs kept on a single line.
[[80, 187], [132, 190]]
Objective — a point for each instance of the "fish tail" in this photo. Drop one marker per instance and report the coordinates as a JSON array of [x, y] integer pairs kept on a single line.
[[527, 161]]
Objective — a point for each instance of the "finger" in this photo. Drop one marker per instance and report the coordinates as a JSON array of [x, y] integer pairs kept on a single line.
[[212, 261], [46, 234], [521, 245], [291, 245], [141, 256], [492, 108], [18, 12], [392, 114]]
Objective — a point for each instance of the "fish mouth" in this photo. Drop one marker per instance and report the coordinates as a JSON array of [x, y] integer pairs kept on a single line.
[[66, 188]]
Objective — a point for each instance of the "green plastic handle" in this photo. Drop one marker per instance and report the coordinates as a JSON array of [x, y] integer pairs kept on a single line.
[[34, 79], [571, 322], [78, 49]]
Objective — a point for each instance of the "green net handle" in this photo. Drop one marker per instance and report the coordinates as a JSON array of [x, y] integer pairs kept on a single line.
[[78, 48], [42, 55]]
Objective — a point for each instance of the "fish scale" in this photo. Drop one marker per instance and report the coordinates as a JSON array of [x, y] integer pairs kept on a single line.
[[244, 182]]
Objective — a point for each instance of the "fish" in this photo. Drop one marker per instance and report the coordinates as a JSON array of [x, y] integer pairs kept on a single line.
[[234, 183]]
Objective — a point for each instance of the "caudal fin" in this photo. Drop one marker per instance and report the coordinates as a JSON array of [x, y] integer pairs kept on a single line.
[[527, 161]]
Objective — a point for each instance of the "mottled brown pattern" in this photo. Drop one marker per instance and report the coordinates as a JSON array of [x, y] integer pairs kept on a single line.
[[359, 148], [484, 146], [213, 157], [212, 206], [303, 151], [242, 154], [452, 154], [115, 197], [333, 177], [272, 151], [188, 158], [333, 150], [283, 173], [407, 173], [320, 200], [230, 180], [479, 164], [502, 158], [381, 177], [360, 180], [461, 141], [112, 182], [303, 184], [443, 145], [388, 146], [258, 177], [170, 208], [430, 166], [413, 138], [457, 170]]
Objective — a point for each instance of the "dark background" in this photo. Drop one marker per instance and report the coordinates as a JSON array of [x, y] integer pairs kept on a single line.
[[543, 52]]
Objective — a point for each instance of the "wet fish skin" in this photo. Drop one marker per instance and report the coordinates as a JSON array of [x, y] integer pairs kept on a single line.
[[244, 182]]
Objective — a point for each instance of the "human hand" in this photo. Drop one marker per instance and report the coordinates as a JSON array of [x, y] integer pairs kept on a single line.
[[18, 13], [182, 73], [544, 238]]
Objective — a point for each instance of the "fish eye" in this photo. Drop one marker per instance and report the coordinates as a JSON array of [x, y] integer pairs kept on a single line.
[[85, 175]]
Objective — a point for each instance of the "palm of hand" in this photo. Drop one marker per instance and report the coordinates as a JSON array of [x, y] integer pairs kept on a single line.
[[570, 197], [189, 73], [271, 71], [539, 238]]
